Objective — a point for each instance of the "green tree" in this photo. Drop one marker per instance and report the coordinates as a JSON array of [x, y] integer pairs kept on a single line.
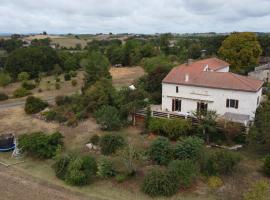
[[241, 50], [5, 79], [96, 66], [110, 143]]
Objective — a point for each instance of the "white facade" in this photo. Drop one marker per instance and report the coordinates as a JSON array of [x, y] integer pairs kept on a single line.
[[215, 99]]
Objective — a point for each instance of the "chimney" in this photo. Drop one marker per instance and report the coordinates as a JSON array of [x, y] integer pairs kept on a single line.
[[189, 61], [186, 77]]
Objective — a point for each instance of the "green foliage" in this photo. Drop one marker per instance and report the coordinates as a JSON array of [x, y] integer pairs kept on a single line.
[[61, 164], [214, 182], [221, 163], [5, 79], [110, 143], [74, 82], [266, 165], [105, 168], [95, 139], [150, 64], [108, 118], [49, 115], [62, 100], [189, 148], [160, 183], [121, 178], [34, 105], [171, 128], [100, 94], [28, 85], [57, 86], [67, 77], [21, 92], [241, 50], [258, 191], [80, 170], [160, 151], [3, 96], [259, 137], [96, 66], [23, 76], [41, 145], [185, 170], [33, 60]]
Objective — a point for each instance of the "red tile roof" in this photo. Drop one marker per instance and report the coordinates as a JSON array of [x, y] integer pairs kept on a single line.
[[212, 79]]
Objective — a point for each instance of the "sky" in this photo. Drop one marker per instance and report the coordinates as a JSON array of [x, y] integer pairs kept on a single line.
[[134, 16]]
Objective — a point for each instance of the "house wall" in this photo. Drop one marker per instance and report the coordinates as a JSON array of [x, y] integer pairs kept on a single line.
[[216, 99]]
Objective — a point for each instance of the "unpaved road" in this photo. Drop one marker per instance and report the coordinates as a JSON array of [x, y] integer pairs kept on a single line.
[[16, 186]]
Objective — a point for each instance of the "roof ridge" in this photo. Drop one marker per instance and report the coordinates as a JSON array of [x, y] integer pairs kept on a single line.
[[243, 81]]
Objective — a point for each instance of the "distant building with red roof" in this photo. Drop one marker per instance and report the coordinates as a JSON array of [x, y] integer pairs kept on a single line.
[[208, 85]]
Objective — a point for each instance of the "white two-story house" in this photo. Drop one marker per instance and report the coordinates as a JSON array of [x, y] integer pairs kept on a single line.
[[208, 85]]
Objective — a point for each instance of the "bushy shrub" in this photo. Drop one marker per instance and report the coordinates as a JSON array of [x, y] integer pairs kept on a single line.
[[160, 183], [110, 143], [3, 96], [57, 79], [67, 77], [120, 178], [28, 85], [266, 165], [62, 100], [80, 170], [221, 162], [41, 145], [34, 105], [214, 182], [185, 170], [188, 148], [49, 115], [95, 139], [108, 118], [73, 73], [161, 151], [21, 92], [23, 76], [61, 164], [5, 79], [105, 168], [171, 128], [74, 82], [258, 191]]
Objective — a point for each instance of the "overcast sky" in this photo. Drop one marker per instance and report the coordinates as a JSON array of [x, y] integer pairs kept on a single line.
[[136, 16]]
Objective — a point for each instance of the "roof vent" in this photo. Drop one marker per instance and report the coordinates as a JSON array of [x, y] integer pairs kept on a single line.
[[186, 77]]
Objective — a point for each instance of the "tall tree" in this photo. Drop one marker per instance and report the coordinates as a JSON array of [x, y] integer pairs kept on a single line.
[[242, 51]]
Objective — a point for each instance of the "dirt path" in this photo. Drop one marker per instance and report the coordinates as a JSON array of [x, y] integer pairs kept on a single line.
[[17, 186]]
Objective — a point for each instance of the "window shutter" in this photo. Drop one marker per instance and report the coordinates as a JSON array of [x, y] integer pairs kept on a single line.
[[228, 103], [179, 106], [173, 104], [236, 104]]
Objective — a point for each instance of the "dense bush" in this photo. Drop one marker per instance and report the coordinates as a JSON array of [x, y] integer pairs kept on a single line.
[[67, 77], [21, 92], [57, 86], [171, 128], [188, 148], [80, 170], [160, 183], [105, 168], [161, 151], [108, 118], [258, 191], [34, 105], [61, 100], [74, 82], [5, 79], [221, 163], [61, 164], [28, 85], [266, 165], [23, 76], [3, 96], [41, 145], [73, 73], [185, 170], [110, 143], [95, 139]]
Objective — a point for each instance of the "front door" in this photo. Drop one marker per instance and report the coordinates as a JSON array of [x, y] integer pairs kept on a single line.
[[176, 105]]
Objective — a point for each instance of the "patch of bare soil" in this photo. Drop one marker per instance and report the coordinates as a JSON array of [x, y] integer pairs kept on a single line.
[[124, 76], [18, 186]]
